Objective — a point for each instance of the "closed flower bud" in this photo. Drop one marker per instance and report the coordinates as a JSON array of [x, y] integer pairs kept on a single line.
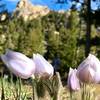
[[73, 82], [18, 64], [43, 68], [89, 70]]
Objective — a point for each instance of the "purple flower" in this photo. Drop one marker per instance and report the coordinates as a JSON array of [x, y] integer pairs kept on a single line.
[[89, 70], [18, 64], [73, 82], [43, 67]]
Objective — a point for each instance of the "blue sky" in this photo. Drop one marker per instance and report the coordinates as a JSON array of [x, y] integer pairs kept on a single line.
[[11, 4]]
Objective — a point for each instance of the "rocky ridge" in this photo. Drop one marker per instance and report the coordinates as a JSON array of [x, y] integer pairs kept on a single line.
[[28, 11]]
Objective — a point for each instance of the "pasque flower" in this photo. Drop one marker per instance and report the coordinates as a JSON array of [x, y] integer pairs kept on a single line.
[[18, 64], [89, 70], [73, 81], [43, 67]]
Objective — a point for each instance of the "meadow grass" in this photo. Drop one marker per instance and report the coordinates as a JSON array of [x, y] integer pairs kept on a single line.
[[45, 89]]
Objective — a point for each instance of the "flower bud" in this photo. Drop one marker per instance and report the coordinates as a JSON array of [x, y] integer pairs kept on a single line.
[[18, 64], [73, 82], [89, 70], [43, 67]]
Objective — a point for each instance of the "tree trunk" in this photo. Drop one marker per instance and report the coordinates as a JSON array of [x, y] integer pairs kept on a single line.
[[88, 30]]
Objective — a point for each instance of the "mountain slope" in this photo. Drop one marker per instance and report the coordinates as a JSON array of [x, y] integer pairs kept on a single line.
[[28, 11]]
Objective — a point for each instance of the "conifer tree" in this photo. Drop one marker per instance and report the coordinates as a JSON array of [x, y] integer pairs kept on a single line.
[[68, 44], [26, 37], [32, 39]]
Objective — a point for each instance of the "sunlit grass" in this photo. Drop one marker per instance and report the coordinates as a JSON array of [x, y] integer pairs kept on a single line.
[[45, 89]]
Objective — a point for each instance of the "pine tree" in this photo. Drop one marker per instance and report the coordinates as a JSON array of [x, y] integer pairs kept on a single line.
[[64, 42], [26, 37], [32, 39], [3, 24]]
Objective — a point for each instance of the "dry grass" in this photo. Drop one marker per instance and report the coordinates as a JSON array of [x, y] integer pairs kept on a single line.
[[92, 92], [13, 90]]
